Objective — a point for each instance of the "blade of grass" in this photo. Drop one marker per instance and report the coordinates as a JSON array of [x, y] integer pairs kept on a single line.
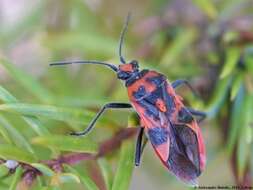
[[52, 112], [207, 7], [33, 122], [126, 161], [16, 136], [106, 171], [66, 143], [11, 152], [84, 177], [235, 120], [232, 55], [182, 41], [218, 98], [44, 169], [16, 179], [244, 145]]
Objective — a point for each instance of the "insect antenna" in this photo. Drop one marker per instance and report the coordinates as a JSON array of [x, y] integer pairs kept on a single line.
[[113, 67], [122, 35]]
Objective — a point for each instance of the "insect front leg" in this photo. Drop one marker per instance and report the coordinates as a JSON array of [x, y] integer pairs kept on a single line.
[[200, 114], [140, 146], [101, 111]]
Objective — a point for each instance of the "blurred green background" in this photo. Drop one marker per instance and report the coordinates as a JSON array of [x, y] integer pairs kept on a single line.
[[209, 42]]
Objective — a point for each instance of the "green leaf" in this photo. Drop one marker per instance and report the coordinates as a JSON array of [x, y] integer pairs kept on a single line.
[[16, 179], [66, 143], [106, 172], [235, 119], [33, 122], [218, 98], [6, 97], [236, 85], [208, 7], [27, 81], [84, 177], [126, 161], [52, 112], [10, 152], [68, 177], [232, 57], [5, 134], [240, 125], [179, 44], [16, 136], [44, 169]]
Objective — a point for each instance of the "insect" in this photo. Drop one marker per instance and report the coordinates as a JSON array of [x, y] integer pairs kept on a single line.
[[169, 125]]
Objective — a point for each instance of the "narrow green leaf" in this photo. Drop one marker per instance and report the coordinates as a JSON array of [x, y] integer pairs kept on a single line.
[[33, 122], [106, 172], [236, 85], [235, 120], [44, 169], [66, 143], [68, 177], [218, 98], [84, 177], [124, 171], [179, 44], [16, 136], [6, 97], [243, 146], [208, 7], [232, 57], [5, 134], [10, 152], [27, 81], [126, 164], [3, 170], [52, 112], [16, 178]]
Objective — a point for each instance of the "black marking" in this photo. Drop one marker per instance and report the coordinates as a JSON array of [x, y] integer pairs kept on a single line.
[[158, 135], [150, 109], [169, 100], [136, 77], [140, 92], [184, 116], [189, 142], [157, 80]]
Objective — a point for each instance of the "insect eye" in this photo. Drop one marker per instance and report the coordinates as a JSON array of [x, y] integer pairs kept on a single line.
[[135, 64]]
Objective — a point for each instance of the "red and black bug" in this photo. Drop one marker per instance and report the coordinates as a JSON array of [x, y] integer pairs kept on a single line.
[[168, 124]]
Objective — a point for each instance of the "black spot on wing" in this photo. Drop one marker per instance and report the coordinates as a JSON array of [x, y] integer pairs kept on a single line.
[[190, 143], [181, 166], [158, 135]]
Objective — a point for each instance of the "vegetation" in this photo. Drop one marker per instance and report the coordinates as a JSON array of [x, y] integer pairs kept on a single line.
[[209, 42]]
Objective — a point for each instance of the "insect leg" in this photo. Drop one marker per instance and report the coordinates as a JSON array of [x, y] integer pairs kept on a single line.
[[101, 111], [200, 114], [180, 82], [139, 147]]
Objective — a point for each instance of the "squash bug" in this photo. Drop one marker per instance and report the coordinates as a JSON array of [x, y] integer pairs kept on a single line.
[[168, 124]]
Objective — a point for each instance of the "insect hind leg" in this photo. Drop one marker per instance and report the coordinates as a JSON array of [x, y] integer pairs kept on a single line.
[[202, 115], [181, 82]]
